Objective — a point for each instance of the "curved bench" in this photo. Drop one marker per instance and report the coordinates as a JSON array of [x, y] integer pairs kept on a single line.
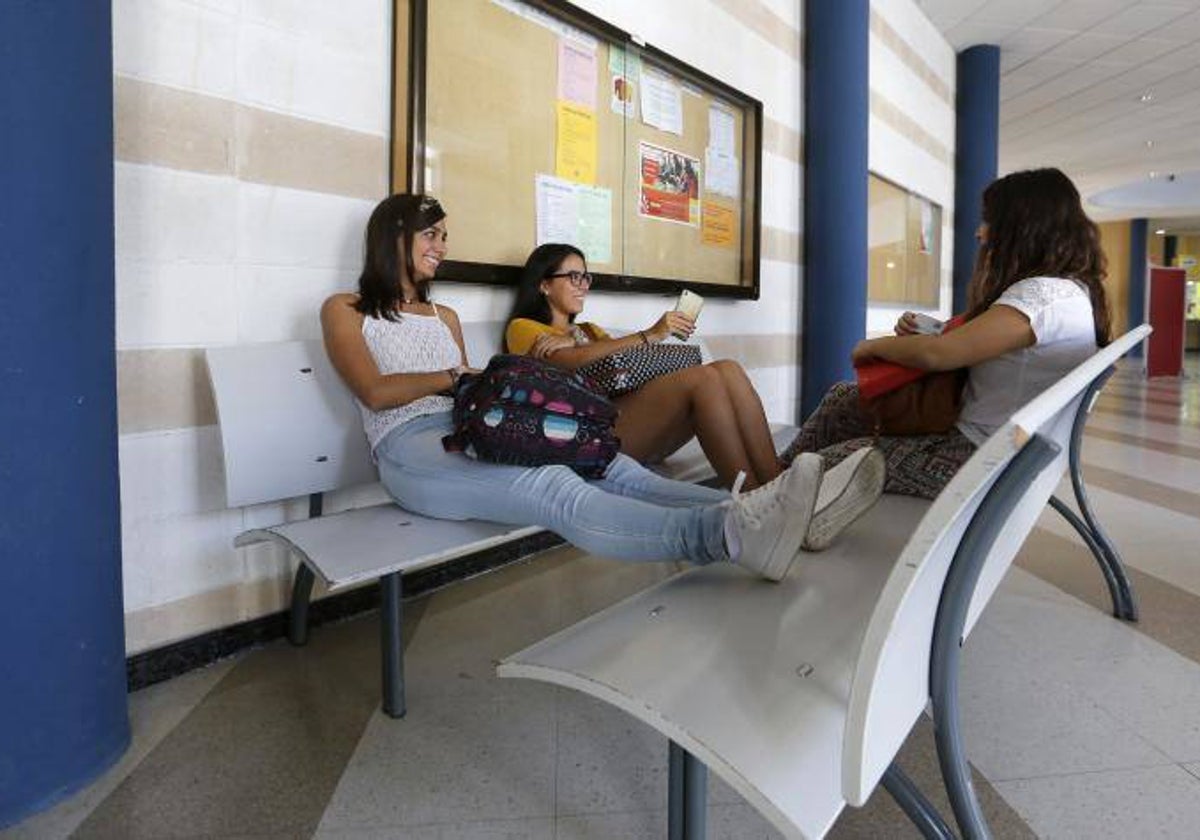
[[800, 694]]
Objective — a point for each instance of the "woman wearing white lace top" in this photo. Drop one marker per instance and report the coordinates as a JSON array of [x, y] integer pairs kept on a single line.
[[400, 355], [1036, 309]]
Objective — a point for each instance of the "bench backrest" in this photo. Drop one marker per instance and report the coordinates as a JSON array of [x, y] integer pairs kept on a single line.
[[890, 686], [289, 426]]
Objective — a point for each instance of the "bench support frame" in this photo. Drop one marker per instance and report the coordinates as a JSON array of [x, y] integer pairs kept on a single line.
[[687, 795], [1102, 548], [973, 549]]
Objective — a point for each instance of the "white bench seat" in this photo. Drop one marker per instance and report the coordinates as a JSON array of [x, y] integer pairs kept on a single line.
[[752, 679], [363, 544], [800, 694]]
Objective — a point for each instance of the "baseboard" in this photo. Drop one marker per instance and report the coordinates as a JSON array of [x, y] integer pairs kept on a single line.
[[163, 663]]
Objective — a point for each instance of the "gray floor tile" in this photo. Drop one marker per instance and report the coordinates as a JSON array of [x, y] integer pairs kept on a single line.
[[635, 825], [538, 829], [261, 753], [1158, 802], [482, 754], [153, 713], [1194, 769]]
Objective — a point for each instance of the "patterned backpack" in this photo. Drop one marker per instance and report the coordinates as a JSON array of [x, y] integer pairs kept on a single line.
[[521, 411]]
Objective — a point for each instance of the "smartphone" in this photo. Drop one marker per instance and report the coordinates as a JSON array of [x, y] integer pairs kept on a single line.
[[928, 325], [689, 304]]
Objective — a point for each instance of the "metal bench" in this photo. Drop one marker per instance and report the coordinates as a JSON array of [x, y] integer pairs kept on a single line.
[[800, 694]]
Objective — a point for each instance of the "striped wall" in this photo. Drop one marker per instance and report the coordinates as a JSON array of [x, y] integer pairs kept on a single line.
[[252, 142], [912, 123]]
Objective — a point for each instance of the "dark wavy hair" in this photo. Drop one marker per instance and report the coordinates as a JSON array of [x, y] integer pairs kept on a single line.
[[389, 236], [544, 261], [1036, 227]]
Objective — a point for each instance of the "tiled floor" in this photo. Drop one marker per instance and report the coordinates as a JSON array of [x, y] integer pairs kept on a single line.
[[1079, 726]]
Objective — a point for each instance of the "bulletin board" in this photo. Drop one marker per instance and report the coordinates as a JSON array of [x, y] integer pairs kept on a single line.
[[533, 121]]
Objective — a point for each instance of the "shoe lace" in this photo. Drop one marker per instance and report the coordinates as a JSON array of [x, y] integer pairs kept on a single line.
[[757, 504]]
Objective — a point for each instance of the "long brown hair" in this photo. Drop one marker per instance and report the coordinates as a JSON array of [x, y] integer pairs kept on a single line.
[[1036, 227], [388, 252]]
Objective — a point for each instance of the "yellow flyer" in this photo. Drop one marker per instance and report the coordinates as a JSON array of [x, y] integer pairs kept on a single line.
[[717, 225], [575, 149]]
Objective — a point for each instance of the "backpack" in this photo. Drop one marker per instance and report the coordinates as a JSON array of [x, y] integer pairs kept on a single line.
[[525, 412]]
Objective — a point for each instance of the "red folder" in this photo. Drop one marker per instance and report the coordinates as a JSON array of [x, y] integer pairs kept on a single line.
[[879, 377]]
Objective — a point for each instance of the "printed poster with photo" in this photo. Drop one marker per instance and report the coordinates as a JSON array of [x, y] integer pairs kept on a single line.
[[669, 187]]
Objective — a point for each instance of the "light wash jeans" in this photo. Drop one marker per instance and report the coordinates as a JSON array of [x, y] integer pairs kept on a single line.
[[629, 514]]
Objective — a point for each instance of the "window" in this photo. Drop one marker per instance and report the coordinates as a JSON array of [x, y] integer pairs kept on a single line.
[[904, 236]]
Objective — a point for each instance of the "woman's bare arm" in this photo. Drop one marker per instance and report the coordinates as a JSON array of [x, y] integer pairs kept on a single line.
[[341, 325], [999, 330], [576, 356]]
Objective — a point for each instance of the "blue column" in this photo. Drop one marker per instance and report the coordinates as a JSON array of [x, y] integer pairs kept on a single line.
[[63, 716], [836, 112], [976, 140], [1137, 275]]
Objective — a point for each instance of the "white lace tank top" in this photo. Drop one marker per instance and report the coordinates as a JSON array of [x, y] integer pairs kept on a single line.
[[412, 344]]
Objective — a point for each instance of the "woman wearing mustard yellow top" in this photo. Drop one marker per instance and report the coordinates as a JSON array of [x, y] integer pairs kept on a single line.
[[714, 402]]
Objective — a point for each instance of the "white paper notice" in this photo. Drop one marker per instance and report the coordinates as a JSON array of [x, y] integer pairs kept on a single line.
[[576, 214], [720, 172], [720, 129], [662, 102], [557, 210]]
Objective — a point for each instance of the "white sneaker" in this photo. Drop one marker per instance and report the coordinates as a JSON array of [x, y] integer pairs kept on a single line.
[[770, 521], [847, 492]]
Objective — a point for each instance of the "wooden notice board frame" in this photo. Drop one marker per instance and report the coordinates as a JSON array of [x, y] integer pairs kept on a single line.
[[475, 94]]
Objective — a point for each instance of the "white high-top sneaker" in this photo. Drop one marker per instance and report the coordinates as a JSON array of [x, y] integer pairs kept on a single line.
[[848, 491], [770, 521]]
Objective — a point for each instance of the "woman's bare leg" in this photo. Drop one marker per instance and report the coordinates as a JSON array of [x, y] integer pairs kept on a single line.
[[667, 412], [751, 419]]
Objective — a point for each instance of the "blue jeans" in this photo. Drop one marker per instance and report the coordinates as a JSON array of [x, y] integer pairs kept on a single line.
[[629, 514]]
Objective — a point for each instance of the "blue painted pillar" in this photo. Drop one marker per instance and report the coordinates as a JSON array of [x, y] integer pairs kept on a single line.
[[836, 113], [1138, 229], [63, 716], [976, 143]]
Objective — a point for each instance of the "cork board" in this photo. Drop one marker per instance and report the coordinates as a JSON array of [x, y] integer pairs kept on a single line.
[[492, 122]]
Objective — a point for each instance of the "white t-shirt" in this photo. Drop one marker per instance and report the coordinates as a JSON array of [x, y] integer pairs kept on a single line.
[[1060, 312]]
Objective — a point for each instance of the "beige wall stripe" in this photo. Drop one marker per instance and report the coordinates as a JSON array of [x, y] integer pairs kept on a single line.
[[756, 351], [782, 245], [301, 154], [911, 59], [1179, 449], [172, 128], [780, 140], [163, 389], [765, 22], [909, 128], [1167, 613], [179, 129]]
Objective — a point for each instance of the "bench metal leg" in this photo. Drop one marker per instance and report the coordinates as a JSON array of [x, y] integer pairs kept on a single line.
[[972, 553], [391, 645], [1119, 588], [687, 792], [303, 584], [918, 808], [1102, 548], [298, 615]]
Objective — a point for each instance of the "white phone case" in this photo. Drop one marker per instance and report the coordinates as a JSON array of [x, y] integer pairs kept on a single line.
[[689, 304]]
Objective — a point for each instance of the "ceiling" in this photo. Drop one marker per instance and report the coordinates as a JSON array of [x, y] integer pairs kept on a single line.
[[1107, 90]]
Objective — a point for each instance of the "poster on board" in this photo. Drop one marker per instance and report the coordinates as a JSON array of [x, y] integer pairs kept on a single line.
[[669, 186]]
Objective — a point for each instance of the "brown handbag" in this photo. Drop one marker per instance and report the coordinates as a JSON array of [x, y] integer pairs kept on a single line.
[[928, 406]]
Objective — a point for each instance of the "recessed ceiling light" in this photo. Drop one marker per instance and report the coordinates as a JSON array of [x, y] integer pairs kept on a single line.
[[1149, 144], [891, 264], [1153, 174], [1160, 232], [1146, 97]]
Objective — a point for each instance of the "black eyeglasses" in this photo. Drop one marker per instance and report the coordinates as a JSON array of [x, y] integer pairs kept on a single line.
[[579, 279]]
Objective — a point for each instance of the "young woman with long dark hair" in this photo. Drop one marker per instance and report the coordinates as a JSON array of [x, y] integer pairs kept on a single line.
[[400, 354], [1036, 308], [714, 402]]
